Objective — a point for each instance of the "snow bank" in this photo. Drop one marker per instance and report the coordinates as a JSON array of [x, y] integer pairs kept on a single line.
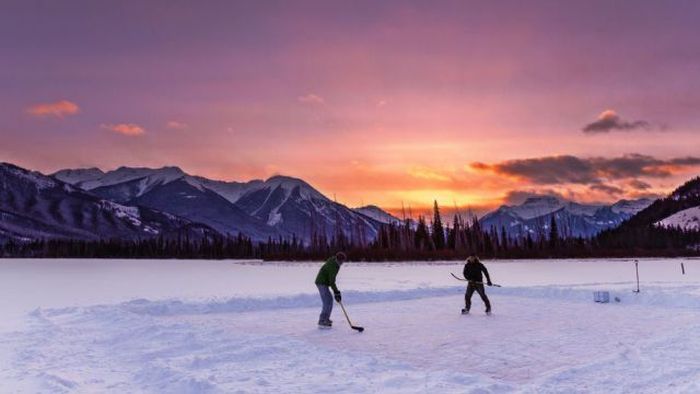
[[662, 296]]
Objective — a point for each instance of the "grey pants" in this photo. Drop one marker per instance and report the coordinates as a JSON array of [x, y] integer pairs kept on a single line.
[[327, 299], [479, 288]]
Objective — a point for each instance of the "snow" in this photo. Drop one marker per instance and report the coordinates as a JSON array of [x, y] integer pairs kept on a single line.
[[288, 184], [76, 176], [231, 191], [687, 219], [39, 180], [74, 326], [538, 206], [126, 174], [128, 213], [631, 207]]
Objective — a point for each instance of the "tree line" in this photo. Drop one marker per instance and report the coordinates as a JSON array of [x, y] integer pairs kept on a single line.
[[421, 239]]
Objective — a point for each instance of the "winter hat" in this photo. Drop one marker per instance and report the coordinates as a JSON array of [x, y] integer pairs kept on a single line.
[[340, 257]]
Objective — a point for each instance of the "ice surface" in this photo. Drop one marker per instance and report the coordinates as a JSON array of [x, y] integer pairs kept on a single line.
[[221, 326]]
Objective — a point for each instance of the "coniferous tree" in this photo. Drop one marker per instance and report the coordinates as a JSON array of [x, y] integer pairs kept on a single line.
[[553, 234], [438, 229]]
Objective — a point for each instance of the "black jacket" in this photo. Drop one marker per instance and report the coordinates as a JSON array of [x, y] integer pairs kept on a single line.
[[472, 272]]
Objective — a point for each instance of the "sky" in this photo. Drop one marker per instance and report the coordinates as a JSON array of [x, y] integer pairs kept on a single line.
[[394, 102]]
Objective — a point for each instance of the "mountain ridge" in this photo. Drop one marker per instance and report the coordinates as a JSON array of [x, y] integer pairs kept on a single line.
[[279, 206]]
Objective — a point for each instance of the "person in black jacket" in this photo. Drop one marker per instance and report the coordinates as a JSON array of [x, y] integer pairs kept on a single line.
[[472, 273]]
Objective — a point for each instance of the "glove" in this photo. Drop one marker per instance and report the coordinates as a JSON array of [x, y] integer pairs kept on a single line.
[[489, 283], [337, 297]]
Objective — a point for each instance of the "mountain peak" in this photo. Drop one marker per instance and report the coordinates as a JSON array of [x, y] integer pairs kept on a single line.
[[631, 206], [284, 179], [162, 170], [77, 175], [39, 180], [289, 184]]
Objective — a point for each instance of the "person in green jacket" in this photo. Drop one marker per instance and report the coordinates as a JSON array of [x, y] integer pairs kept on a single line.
[[325, 281]]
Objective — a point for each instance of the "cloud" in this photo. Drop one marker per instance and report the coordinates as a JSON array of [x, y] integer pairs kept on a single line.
[[639, 185], [609, 121], [311, 98], [174, 124], [554, 170], [607, 189], [428, 173], [129, 129], [57, 109]]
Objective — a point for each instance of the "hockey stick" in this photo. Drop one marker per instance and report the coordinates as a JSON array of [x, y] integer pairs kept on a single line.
[[458, 278], [471, 281], [358, 328]]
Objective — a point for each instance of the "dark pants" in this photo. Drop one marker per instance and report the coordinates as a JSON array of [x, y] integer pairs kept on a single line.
[[327, 300], [479, 288]]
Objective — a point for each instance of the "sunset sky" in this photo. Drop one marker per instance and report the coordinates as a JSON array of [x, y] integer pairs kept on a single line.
[[384, 102]]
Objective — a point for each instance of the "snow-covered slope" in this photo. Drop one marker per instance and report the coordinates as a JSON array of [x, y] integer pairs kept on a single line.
[[687, 219], [537, 206], [231, 191], [147, 177], [293, 206], [35, 206], [631, 207], [79, 175]]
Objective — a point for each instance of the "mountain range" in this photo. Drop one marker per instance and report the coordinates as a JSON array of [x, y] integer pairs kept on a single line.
[[277, 207], [574, 220], [142, 202], [33, 205]]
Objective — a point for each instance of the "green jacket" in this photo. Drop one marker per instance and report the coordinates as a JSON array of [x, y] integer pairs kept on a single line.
[[327, 273]]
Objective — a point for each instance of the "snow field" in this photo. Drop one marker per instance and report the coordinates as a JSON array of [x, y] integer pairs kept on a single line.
[[172, 330]]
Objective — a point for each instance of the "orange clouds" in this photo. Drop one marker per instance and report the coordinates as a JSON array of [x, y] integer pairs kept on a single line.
[[57, 109], [428, 173], [129, 129]]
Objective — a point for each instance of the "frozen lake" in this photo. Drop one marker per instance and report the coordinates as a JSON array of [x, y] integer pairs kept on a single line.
[[222, 326]]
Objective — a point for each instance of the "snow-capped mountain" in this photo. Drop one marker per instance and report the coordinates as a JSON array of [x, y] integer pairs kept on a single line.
[[35, 206], [574, 219], [197, 204], [687, 219], [631, 206], [377, 214], [231, 191], [139, 180], [79, 175], [292, 206], [279, 206]]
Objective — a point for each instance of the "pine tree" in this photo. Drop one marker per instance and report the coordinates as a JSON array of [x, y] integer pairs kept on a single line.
[[553, 233], [438, 229]]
